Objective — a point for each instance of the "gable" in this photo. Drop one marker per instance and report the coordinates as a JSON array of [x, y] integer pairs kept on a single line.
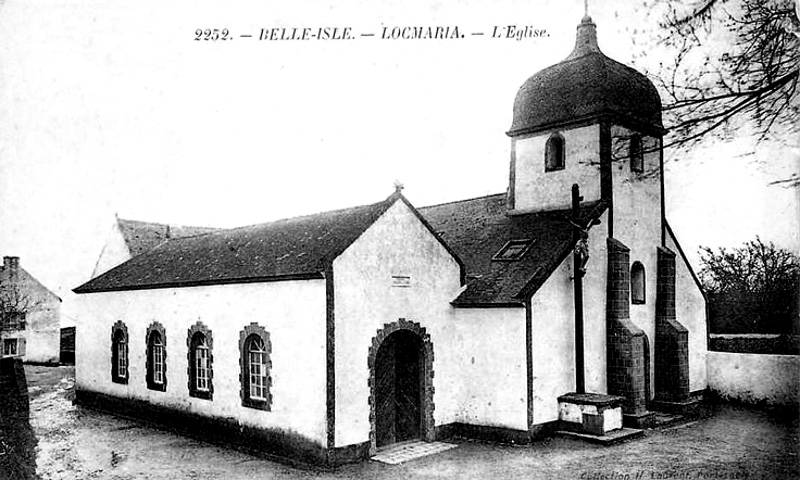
[[38, 294], [129, 238], [402, 230], [115, 251], [141, 236]]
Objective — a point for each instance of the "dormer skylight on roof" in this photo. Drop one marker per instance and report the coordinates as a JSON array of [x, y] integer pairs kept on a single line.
[[513, 250]]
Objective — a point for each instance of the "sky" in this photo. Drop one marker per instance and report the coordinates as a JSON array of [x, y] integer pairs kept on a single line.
[[112, 107]]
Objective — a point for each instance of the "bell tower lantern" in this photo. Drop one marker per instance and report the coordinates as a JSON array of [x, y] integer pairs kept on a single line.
[[564, 115]]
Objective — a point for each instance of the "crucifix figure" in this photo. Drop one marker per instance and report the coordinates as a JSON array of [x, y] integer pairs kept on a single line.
[[582, 246]]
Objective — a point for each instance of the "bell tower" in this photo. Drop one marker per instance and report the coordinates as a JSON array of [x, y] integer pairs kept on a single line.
[[568, 122], [592, 121]]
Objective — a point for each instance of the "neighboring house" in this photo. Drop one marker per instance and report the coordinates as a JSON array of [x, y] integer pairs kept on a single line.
[[328, 336], [129, 238], [31, 312]]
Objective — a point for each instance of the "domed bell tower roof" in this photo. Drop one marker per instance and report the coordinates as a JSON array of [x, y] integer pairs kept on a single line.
[[586, 85]]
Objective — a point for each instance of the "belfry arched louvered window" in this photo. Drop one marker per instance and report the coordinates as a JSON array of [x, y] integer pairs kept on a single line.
[[636, 154], [554, 153]]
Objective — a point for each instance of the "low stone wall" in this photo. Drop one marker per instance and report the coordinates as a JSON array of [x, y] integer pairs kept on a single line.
[[17, 440], [754, 378]]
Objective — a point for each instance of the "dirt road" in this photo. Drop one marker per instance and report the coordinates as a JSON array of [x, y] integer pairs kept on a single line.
[[735, 443]]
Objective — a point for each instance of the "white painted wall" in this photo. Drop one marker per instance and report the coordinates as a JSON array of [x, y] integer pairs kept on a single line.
[[690, 310], [42, 332], [554, 329], [115, 251], [637, 223], [293, 312], [396, 244], [482, 368], [754, 378], [535, 189]]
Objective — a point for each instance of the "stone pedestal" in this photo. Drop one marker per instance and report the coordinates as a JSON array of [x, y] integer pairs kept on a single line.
[[590, 413]]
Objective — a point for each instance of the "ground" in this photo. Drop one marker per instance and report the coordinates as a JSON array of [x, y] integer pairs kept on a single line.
[[733, 443]]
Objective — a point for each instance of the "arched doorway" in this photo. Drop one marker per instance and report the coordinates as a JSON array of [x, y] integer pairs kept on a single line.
[[398, 381], [401, 384]]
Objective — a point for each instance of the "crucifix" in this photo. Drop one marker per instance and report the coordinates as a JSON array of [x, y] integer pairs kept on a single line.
[[580, 235]]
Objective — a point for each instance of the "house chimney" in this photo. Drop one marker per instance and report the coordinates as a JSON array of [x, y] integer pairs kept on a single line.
[[11, 264]]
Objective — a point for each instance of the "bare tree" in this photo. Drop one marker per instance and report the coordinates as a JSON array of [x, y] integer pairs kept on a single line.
[[15, 303], [754, 268], [734, 66]]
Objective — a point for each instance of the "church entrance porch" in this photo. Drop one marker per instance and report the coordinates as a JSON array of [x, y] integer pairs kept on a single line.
[[401, 385]]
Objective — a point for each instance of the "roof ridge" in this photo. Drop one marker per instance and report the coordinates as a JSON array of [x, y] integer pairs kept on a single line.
[[221, 231], [167, 224], [299, 217], [460, 201]]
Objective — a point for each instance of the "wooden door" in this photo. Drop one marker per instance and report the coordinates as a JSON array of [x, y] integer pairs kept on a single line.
[[398, 381], [384, 394]]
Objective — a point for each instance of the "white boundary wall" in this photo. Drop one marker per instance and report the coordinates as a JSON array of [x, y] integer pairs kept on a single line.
[[755, 378]]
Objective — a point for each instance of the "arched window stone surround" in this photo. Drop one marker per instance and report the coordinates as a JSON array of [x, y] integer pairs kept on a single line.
[[199, 327], [159, 329], [427, 429], [554, 153], [244, 370], [119, 331]]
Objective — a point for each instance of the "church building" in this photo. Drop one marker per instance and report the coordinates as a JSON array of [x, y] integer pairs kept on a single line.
[[324, 338]]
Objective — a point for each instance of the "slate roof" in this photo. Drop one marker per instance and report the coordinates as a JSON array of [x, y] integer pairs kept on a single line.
[[303, 247], [478, 228], [586, 84], [5, 276], [143, 236], [291, 248]]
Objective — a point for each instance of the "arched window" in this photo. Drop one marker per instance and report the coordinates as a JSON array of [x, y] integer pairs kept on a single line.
[[554, 153], [119, 353], [156, 357], [201, 373], [637, 283], [637, 157], [255, 365]]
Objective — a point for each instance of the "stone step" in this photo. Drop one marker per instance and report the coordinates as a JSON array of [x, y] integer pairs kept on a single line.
[[688, 407], [664, 419], [411, 450], [609, 438]]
